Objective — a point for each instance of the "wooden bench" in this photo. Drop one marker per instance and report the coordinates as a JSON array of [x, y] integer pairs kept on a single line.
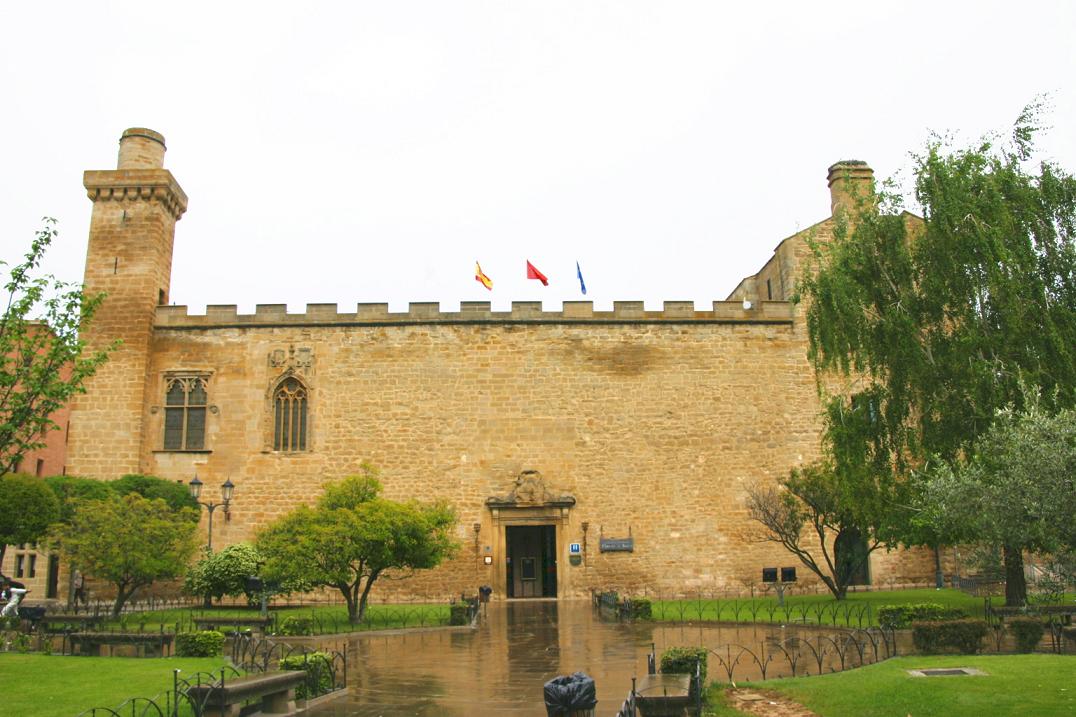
[[213, 622], [146, 644], [275, 690], [66, 621]]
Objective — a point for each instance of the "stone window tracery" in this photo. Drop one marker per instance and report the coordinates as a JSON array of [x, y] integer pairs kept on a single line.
[[290, 403], [185, 404]]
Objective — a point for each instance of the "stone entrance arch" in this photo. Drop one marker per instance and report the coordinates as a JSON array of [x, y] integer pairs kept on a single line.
[[530, 503]]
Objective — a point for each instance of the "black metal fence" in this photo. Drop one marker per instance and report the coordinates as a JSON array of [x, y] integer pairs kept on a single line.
[[193, 695], [718, 607]]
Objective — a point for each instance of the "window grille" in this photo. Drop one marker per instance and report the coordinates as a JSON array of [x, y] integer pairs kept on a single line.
[[289, 416], [184, 413]]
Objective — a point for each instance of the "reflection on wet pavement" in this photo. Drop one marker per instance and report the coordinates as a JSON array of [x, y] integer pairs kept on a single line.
[[500, 667]]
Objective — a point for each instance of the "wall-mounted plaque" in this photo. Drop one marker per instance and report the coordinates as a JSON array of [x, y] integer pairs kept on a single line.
[[617, 545]]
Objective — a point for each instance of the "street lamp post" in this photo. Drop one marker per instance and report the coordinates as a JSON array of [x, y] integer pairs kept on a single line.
[[225, 492]]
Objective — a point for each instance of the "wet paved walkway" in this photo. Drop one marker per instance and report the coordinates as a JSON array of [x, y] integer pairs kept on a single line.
[[500, 667]]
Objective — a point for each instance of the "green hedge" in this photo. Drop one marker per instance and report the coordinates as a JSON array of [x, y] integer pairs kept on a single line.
[[638, 609], [204, 643], [295, 625], [319, 676], [682, 661], [1027, 631], [898, 617], [965, 636]]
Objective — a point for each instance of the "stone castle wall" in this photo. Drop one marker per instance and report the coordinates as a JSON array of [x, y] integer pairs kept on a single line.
[[654, 422]]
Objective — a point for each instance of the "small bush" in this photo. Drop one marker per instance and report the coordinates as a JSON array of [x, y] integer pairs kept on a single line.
[[1027, 631], [682, 661], [319, 675], [898, 617], [295, 625], [965, 636], [638, 609], [205, 643], [458, 613]]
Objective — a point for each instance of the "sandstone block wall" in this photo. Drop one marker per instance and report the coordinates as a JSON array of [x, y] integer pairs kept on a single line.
[[653, 421], [642, 423]]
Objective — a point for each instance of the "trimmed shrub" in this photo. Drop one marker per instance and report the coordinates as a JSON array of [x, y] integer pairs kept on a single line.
[[899, 617], [1027, 631], [204, 643], [965, 636], [318, 667], [682, 661], [295, 625], [638, 609]]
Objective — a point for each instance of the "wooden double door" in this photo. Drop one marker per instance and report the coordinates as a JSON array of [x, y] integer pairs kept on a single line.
[[531, 560]]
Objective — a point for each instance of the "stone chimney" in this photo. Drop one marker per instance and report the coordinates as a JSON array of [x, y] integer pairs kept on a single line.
[[141, 148], [851, 182]]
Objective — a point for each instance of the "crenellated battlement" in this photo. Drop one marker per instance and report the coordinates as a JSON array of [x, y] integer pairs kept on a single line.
[[474, 312]]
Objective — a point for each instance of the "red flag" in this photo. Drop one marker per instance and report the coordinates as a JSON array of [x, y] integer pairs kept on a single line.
[[533, 273]]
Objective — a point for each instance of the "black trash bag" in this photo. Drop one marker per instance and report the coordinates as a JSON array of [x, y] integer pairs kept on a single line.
[[569, 693]]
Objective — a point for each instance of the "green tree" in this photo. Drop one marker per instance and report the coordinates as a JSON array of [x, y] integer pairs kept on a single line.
[[129, 541], [224, 572], [1017, 491], [811, 510], [934, 325], [352, 538], [176, 495], [42, 361], [27, 509], [70, 490]]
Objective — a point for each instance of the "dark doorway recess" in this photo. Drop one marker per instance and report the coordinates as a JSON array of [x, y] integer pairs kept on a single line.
[[532, 560], [852, 557], [52, 584]]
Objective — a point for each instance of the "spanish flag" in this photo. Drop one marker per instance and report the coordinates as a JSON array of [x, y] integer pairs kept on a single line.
[[481, 278]]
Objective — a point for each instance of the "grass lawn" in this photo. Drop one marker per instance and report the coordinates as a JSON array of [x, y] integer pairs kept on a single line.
[[1025, 685], [328, 619], [57, 686], [857, 610]]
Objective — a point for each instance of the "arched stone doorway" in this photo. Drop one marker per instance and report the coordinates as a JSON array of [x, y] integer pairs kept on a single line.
[[530, 530]]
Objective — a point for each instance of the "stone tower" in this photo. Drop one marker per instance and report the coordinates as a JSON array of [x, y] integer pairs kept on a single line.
[[129, 258]]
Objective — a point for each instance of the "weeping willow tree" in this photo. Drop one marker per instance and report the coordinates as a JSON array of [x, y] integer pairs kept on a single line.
[[932, 327]]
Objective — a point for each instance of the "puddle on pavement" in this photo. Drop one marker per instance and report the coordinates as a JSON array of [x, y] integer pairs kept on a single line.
[[499, 668]]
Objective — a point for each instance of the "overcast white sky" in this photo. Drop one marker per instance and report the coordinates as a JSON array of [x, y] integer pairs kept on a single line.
[[372, 151]]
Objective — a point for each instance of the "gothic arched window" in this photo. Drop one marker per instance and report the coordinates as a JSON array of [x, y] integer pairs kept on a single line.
[[184, 413], [289, 416]]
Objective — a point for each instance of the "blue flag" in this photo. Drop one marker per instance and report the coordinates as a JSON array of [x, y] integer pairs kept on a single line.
[[579, 273]]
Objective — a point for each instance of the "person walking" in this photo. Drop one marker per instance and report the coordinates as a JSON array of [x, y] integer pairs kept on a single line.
[[79, 582], [13, 591]]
